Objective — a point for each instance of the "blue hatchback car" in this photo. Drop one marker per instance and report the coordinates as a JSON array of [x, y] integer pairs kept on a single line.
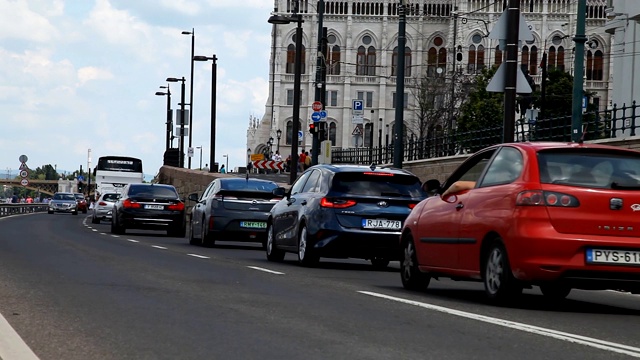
[[343, 211]]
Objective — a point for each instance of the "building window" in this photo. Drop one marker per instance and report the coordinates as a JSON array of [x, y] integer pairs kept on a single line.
[[331, 98], [290, 96], [436, 57], [476, 59], [291, 58], [368, 130], [406, 100], [290, 132], [366, 61], [332, 133], [529, 60], [555, 60], [595, 65], [333, 56], [367, 96], [407, 62]]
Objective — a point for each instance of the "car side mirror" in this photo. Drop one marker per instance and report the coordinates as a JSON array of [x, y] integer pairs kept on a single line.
[[193, 197], [431, 187], [279, 192]]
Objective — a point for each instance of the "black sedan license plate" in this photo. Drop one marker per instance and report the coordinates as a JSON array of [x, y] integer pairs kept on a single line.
[[253, 224], [381, 224]]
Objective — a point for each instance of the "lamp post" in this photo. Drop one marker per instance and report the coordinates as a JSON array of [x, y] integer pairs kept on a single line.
[[169, 125], [249, 166], [270, 145], [380, 142], [214, 70], [200, 147], [281, 20], [193, 43], [181, 147], [278, 135]]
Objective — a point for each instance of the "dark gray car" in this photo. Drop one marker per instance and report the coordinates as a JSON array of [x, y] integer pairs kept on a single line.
[[232, 209]]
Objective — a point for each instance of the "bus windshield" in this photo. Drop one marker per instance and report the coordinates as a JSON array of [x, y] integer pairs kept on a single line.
[[112, 173]]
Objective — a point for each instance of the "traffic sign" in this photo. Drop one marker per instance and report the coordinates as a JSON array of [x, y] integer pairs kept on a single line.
[[269, 164], [357, 131], [316, 116], [358, 107], [24, 182], [23, 158], [300, 135], [23, 166], [323, 114], [80, 178], [316, 106], [24, 173]]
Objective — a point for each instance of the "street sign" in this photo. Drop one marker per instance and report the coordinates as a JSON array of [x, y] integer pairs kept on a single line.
[[323, 114], [23, 158], [300, 135], [357, 131], [23, 166], [316, 116], [357, 119], [24, 182], [24, 173], [190, 152], [269, 164], [256, 157], [358, 107], [316, 106]]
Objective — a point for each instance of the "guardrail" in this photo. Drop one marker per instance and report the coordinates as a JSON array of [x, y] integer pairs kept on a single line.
[[13, 209]]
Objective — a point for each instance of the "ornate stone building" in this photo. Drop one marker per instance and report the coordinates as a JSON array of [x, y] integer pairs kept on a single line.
[[446, 38]]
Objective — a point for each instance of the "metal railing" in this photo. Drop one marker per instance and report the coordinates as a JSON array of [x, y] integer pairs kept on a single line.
[[608, 124], [21, 208]]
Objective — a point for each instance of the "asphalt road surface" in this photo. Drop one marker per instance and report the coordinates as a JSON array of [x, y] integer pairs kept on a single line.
[[71, 290]]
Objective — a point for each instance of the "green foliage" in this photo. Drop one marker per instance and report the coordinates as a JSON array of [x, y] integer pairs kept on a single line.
[[559, 94], [482, 109]]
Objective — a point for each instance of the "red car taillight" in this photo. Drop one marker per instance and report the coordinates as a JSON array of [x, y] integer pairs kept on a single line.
[[336, 203], [411, 206], [179, 206], [102, 203], [128, 204], [546, 198]]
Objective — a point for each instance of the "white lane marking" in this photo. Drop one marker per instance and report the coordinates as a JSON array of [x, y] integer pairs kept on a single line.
[[198, 256], [560, 335], [92, 229], [265, 270], [12, 347], [159, 247], [132, 240], [115, 236]]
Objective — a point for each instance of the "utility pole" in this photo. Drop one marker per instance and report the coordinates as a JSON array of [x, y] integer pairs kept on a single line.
[[578, 75], [513, 28], [398, 135], [320, 81], [453, 72]]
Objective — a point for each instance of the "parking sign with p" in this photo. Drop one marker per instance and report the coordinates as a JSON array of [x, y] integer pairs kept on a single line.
[[358, 107]]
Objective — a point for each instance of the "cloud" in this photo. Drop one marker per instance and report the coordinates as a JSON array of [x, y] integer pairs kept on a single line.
[[89, 73], [187, 7], [18, 21]]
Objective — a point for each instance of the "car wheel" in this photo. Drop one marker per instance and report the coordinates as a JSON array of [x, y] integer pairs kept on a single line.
[[499, 283], [192, 239], [49, 212], [555, 292], [411, 276], [306, 256], [380, 262], [273, 254], [207, 239], [95, 220], [115, 227]]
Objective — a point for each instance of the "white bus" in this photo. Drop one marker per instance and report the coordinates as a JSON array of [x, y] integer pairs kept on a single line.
[[112, 173]]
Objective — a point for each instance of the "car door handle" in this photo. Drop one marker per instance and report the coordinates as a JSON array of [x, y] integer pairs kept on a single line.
[[304, 202], [459, 206]]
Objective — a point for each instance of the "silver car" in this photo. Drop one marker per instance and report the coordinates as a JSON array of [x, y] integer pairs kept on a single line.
[[63, 202], [103, 207]]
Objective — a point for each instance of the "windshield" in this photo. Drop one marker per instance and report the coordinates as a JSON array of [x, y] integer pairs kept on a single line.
[[248, 185], [378, 184], [64, 197]]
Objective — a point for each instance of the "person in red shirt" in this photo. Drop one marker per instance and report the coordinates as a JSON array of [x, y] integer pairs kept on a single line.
[[301, 159]]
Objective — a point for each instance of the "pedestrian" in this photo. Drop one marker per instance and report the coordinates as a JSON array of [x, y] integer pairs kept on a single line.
[[206, 168], [276, 157], [287, 164], [307, 160], [301, 159], [222, 169]]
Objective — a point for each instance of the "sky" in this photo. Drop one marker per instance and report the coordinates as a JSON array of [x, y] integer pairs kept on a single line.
[[82, 74]]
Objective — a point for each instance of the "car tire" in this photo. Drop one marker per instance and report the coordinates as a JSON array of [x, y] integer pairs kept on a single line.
[[192, 239], [207, 239], [49, 212], [306, 255], [499, 284], [411, 276], [555, 292], [273, 253], [115, 227], [380, 263], [95, 220]]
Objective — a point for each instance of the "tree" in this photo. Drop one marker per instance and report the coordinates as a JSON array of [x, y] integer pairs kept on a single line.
[[481, 115]]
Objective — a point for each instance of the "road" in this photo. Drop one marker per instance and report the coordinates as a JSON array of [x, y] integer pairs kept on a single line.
[[71, 290]]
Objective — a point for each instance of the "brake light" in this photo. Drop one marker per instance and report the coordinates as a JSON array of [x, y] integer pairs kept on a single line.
[[222, 197], [336, 203], [546, 198], [179, 206], [411, 206], [377, 173], [129, 204], [102, 203]]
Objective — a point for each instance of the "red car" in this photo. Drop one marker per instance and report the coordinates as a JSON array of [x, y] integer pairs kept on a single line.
[[82, 202], [554, 215]]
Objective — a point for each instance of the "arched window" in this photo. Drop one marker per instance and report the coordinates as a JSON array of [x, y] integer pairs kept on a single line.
[[366, 58], [498, 56], [371, 61], [290, 132], [533, 60], [407, 62], [333, 56], [555, 60], [476, 55], [291, 58], [595, 60], [471, 62], [436, 57], [524, 61]]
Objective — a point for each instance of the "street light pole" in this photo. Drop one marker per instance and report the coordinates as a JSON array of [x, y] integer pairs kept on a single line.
[[278, 135], [214, 71], [277, 19], [193, 43], [182, 120], [398, 137], [169, 125]]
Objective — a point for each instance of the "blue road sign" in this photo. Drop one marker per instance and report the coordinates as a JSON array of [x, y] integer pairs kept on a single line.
[[316, 116], [323, 114], [300, 135], [358, 105], [80, 178]]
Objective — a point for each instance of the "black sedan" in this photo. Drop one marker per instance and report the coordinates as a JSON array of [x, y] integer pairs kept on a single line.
[[232, 209], [343, 211], [149, 207]]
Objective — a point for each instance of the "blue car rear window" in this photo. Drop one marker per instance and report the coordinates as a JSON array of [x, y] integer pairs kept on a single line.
[[248, 185], [395, 185]]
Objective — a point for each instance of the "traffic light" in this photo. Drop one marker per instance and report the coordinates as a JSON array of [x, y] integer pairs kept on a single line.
[[80, 186], [313, 128]]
